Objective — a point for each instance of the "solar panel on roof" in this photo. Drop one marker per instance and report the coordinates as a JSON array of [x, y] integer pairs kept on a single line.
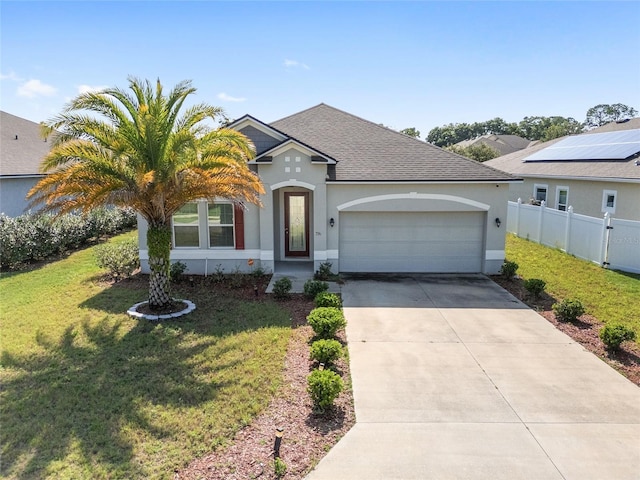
[[618, 145]]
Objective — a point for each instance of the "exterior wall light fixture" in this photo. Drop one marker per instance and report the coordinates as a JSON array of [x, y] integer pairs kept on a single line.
[[332, 222], [498, 222]]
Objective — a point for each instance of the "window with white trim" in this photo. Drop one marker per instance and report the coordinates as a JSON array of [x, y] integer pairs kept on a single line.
[[185, 226], [540, 192], [221, 225], [609, 198], [562, 198]]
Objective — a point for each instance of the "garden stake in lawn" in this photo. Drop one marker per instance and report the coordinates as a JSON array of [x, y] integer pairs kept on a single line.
[[278, 441]]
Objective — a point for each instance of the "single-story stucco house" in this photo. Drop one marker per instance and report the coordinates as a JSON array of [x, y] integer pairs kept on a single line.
[[22, 149], [348, 191], [596, 172]]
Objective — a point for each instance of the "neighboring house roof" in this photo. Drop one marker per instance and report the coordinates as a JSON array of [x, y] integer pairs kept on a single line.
[[22, 148], [627, 124], [366, 151], [613, 170], [502, 143]]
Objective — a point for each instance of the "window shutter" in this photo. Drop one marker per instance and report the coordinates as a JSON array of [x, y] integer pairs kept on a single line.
[[238, 223]]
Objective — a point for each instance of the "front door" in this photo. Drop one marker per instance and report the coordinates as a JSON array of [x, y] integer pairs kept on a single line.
[[296, 224]]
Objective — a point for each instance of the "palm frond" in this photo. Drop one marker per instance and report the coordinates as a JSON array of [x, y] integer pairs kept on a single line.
[[139, 147]]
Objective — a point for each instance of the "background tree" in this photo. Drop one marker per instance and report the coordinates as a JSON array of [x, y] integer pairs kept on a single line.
[[480, 152], [560, 128], [497, 126], [603, 114], [136, 149], [453, 133], [450, 134], [547, 128], [411, 132], [532, 128]]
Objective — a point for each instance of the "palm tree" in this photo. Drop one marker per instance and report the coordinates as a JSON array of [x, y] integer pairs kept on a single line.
[[136, 149]]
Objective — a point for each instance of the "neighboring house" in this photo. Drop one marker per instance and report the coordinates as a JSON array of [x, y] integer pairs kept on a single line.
[[22, 149], [344, 190], [595, 172], [502, 143]]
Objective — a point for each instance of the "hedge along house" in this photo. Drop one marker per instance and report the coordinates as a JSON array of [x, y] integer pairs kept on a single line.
[[344, 190]]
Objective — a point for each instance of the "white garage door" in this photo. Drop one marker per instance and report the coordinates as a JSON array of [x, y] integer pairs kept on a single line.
[[430, 242]]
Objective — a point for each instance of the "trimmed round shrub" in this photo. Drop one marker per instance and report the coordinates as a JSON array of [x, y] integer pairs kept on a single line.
[[314, 287], [324, 386], [508, 269], [281, 288], [613, 335], [326, 351], [568, 310], [326, 321], [326, 299], [535, 286], [120, 259]]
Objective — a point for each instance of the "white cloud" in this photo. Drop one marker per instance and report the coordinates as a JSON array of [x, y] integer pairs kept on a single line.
[[88, 88], [10, 76], [296, 64], [229, 98], [35, 88]]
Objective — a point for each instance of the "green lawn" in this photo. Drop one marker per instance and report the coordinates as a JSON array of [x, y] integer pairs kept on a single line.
[[608, 295], [88, 392]]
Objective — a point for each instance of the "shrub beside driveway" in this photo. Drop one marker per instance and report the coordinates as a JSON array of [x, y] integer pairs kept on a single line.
[[608, 297]]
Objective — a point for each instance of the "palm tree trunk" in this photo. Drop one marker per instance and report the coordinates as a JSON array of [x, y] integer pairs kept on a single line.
[[159, 246]]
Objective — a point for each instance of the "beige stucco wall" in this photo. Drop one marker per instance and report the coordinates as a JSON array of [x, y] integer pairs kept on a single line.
[[291, 170], [585, 196], [13, 193]]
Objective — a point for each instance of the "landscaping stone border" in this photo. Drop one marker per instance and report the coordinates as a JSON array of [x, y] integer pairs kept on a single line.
[[188, 309]]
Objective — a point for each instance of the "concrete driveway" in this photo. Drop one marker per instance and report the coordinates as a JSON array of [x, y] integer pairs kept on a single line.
[[453, 378]]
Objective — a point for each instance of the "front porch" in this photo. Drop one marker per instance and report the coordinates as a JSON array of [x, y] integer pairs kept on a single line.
[[299, 272]]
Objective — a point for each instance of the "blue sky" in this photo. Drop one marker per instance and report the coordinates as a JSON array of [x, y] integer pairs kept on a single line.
[[403, 64]]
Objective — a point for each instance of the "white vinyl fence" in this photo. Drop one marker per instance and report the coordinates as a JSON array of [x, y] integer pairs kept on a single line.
[[611, 242]]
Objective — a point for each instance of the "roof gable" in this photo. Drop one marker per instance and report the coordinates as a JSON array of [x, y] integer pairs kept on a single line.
[[366, 151], [316, 156]]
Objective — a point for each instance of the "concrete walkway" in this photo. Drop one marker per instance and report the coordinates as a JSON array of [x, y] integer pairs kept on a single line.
[[299, 273], [453, 378]]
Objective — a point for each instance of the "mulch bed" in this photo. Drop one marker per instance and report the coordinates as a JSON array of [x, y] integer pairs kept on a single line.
[[307, 435], [584, 331]]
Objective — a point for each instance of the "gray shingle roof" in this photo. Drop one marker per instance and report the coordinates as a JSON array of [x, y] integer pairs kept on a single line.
[[503, 143], [615, 170], [366, 151], [630, 124], [21, 156]]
